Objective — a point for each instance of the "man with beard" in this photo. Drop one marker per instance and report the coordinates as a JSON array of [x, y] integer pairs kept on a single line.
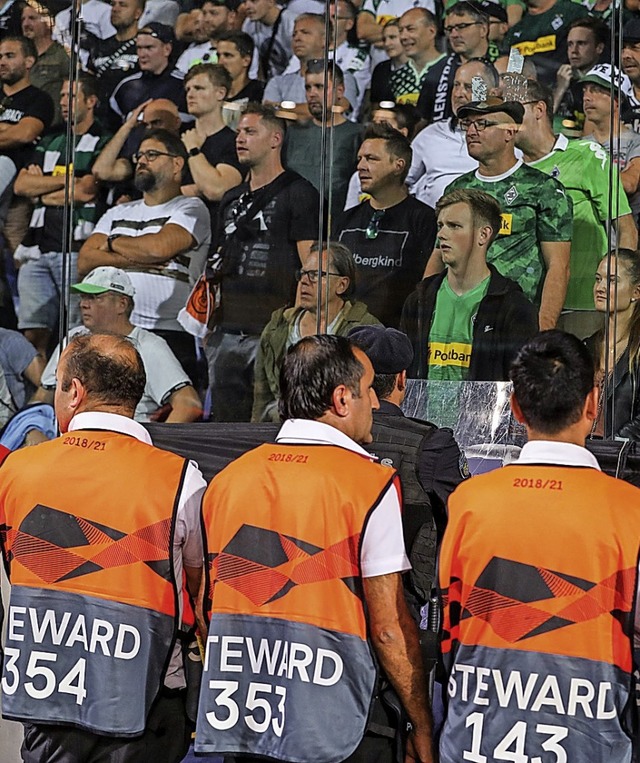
[[26, 111], [304, 141], [161, 240]]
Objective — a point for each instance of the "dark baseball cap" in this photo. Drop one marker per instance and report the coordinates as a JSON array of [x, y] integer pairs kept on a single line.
[[631, 30], [389, 350], [160, 31], [490, 8], [493, 105]]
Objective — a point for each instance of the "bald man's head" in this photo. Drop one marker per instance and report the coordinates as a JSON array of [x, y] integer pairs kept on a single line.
[[98, 372], [162, 113]]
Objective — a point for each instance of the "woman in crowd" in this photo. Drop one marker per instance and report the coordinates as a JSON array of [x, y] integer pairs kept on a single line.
[[338, 315], [617, 290]]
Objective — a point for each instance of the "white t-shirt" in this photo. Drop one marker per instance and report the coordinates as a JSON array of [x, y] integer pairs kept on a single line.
[[165, 375], [383, 550], [187, 539], [96, 18], [440, 156], [162, 291]]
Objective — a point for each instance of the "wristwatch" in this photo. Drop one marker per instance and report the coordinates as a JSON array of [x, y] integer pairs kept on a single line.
[[111, 239], [194, 151]]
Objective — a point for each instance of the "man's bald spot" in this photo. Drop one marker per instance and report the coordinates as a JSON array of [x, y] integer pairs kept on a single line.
[[162, 113]]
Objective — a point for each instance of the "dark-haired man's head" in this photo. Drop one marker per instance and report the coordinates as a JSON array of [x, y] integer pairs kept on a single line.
[[260, 134], [586, 42], [314, 89], [467, 30], [384, 159], [98, 372], [325, 379], [553, 387], [17, 57], [160, 161], [235, 52]]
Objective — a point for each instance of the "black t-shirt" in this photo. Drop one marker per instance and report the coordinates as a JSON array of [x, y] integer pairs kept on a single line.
[[219, 148], [111, 61], [257, 238], [391, 263], [11, 19], [250, 93], [28, 102], [380, 89]]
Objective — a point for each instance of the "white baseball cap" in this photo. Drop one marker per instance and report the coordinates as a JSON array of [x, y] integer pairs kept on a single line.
[[104, 279]]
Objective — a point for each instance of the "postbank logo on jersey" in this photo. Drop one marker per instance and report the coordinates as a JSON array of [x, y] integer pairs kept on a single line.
[[506, 223], [456, 354], [541, 45]]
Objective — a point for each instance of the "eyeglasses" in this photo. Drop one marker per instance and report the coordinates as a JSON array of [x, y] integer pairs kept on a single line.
[[312, 275], [461, 27], [150, 155], [480, 124], [374, 224]]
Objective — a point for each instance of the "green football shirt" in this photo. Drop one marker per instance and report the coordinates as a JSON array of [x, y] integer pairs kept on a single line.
[[535, 208], [451, 334], [583, 169]]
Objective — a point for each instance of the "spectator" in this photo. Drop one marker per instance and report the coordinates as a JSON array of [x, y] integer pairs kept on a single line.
[[26, 114], [219, 17], [542, 34], [162, 240], [498, 19], [550, 566], [382, 73], [466, 26], [418, 30], [212, 167], [534, 242], [22, 366], [440, 150], [338, 504], [586, 41], [96, 22], [631, 67], [265, 225], [600, 98], [43, 251], [52, 65], [304, 140], [157, 78], [11, 19], [107, 300], [585, 173], [617, 374], [467, 323], [353, 59], [403, 118], [271, 29], [235, 52], [115, 162], [336, 313], [116, 57], [308, 45], [390, 233]]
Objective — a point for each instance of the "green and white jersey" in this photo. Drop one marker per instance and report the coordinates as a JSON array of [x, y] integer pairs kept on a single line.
[[405, 82], [451, 334], [583, 167], [535, 209]]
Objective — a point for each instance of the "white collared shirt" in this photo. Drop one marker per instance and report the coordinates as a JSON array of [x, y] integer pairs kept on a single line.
[[187, 540], [556, 453], [383, 550]]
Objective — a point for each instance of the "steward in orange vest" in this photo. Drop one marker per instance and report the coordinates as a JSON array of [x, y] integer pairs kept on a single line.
[[539, 570], [297, 533]]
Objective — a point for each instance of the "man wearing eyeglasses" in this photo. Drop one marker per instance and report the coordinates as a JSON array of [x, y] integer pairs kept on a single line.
[[162, 241], [466, 26], [534, 242], [390, 232]]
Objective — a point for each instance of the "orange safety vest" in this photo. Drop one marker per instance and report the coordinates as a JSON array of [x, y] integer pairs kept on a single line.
[[538, 569], [87, 532], [288, 671]]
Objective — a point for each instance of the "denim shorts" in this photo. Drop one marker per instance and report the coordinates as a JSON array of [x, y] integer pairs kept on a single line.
[[39, 289]]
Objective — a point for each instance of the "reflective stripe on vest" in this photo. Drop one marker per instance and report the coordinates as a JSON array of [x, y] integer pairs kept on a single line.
[[287, 658], [539, 569], [88, 530]]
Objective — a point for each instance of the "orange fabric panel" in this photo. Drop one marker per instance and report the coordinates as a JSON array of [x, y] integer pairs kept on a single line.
[[542, 559], [302, 510], [77, 525]]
